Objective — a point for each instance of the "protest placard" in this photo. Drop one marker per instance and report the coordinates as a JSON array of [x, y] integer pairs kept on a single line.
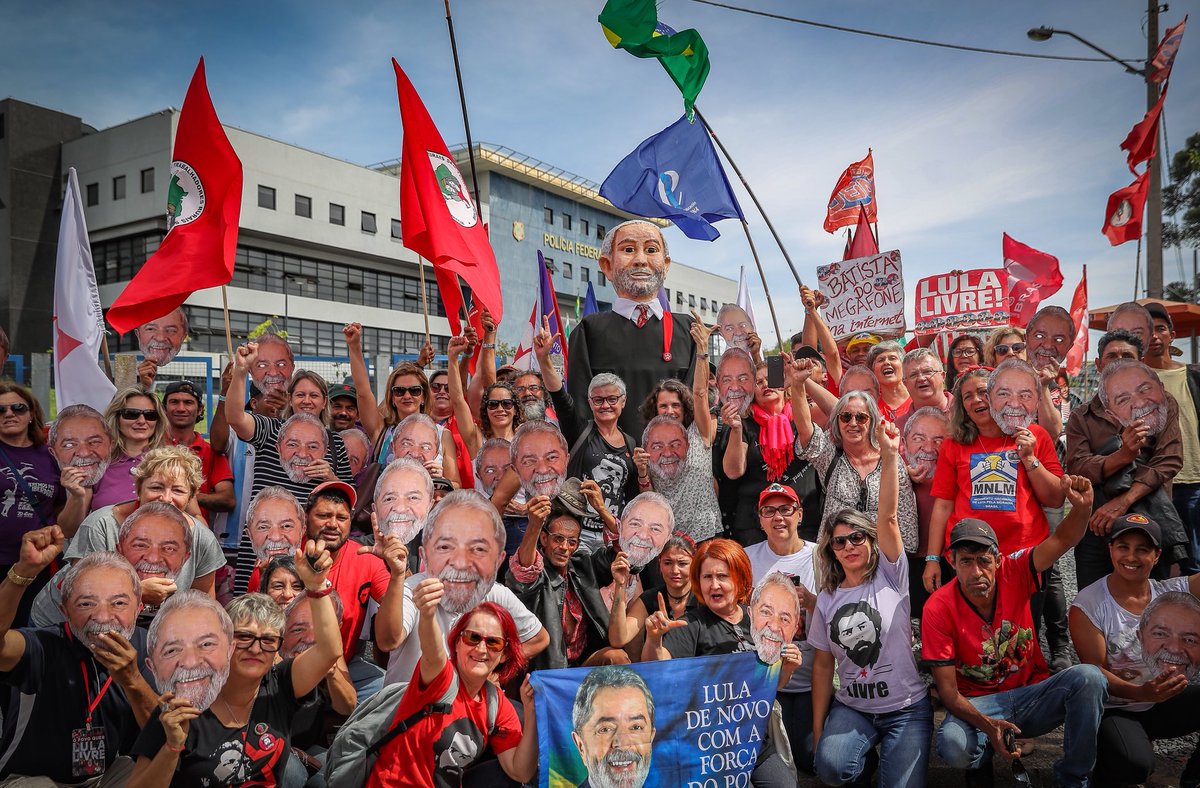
[[961, 300], [865, 294]]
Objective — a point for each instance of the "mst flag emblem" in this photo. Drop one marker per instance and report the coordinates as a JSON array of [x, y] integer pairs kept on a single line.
[[185, 195], [454, 189]]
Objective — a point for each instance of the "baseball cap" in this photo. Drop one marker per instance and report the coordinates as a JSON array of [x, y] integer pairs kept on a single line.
[[1136, 522], [778, 489], [182, 387], [807, 351], [864, 336], [342, 390], [336, 487], [972, 531], [1159, 312], [442, 483]]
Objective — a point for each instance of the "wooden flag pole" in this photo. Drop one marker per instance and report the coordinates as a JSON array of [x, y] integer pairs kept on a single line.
[[424, 298], [750, 191], [228, 333], [104, 354], [762, 276], [462, 99]]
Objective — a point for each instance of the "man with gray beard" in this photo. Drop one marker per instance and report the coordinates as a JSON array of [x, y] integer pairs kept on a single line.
[[1013, 396], [403, 498], [190, 645], [81, 444], [52, 675], [1127, 441], [637, 336], [613, 727], [462, 545]]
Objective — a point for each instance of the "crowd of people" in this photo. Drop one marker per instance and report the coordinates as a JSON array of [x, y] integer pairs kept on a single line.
[[884, 523]]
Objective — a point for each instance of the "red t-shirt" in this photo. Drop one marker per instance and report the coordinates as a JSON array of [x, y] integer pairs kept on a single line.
[[986, 480], [988, 656], [357, 579], [442, 744], [214, 467]]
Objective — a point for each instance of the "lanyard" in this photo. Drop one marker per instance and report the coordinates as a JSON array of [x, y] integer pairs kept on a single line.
[[92, 704]]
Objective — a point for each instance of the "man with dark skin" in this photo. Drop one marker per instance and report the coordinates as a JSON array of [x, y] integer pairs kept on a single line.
[[343, 406], [182, 403]]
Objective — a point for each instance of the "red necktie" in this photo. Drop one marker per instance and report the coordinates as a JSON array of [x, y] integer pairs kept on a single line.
[[643, 315]]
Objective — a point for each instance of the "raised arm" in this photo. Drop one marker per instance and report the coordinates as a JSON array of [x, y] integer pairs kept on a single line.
[[543, 344], [658, 624], [458, 397], [622, 628], [434, 655], [389, 621], [800, 371], [704, 420], [368, 408], [241, 422], [539, 510], [38, 549], [1079, 491], [822, 338], [311, 667], [891, 544], [733, 461], [520, 762]]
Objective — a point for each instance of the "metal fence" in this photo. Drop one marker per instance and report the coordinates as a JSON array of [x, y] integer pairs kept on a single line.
[[16, 369]]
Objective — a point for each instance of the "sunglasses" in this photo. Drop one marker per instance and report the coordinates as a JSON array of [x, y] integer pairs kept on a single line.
[[787, 510], [501, 404], [472, 638], [17, 408], [132, 414], [857, 418], [1004, 350], [441, 388], [412, 391], [855, 538], [268, 643]]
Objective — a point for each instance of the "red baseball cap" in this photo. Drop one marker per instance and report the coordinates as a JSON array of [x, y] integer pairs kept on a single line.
[[779, 489], [334, 486]]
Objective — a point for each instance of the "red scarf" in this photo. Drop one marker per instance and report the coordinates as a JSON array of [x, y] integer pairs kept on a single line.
[[776, 439]]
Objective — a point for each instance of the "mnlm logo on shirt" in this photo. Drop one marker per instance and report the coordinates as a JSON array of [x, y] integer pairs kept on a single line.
[[994, 481]]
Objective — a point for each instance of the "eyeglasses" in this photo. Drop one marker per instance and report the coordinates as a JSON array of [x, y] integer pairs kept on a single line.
[[132, 414], [1004, 350], [965, 352], [472, 638], [857, 418], [412, 391], [501, 404], [786, 509], [17, 408], [855, 538], [610, 400], [441, 388], [534, 390], [917, 374], [244, 640]]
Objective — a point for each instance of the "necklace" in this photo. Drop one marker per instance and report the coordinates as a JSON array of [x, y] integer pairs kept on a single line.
[[234, 719], [675, 600]]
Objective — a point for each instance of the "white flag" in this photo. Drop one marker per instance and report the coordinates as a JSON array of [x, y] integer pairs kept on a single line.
[[743, 299], [78, 318]]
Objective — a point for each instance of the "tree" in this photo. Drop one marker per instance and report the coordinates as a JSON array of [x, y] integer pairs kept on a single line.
[[1181, 197]]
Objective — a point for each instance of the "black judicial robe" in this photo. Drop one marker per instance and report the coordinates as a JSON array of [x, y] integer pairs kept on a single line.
[[608, 342]]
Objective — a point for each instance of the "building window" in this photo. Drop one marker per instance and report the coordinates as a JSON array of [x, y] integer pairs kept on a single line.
[[548, 216], [550, 266], [566, 221], [585, 275], [266, 197], [715, 306], [602, 278], [584, 228], [692, 300], [568, 271], [703, 304], [600, 232], [119, 187], [147, 180], [396, 230], [303, 206], [368, 222], [337, 214], [93, 194], [679, 297]]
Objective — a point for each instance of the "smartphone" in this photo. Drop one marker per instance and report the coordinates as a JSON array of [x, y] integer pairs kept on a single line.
[[775, 372]]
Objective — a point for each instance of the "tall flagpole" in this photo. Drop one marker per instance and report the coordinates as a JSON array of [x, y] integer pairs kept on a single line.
[[462, 100], [763, 277], [424, 298], [750, 191]]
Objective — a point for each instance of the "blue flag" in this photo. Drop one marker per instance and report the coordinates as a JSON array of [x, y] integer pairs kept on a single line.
[[675, 175], [589, 301]]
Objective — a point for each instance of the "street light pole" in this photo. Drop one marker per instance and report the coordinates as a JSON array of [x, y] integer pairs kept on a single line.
[[1153, 213]]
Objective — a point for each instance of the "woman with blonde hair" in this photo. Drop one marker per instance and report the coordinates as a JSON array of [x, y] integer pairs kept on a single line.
[[1004, 343], [137, 422]]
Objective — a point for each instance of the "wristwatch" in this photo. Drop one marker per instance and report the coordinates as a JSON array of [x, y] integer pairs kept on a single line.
[[1035, 464]]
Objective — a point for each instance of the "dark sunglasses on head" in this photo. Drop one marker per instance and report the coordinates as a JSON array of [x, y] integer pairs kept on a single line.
[[497, 404], [472, 638], [412, 391], [268, 643], [131, 414], [17, 408], [858, 418], [855, 538], [1004, 350]]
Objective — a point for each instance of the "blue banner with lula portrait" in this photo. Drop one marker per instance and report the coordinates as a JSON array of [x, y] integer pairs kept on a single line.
[[698, 722]]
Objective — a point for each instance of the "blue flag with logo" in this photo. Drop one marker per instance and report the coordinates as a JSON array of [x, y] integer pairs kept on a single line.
[[675, 175], [589, 302]]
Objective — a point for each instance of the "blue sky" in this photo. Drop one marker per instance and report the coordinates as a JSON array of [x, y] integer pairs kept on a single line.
[[966, 146]]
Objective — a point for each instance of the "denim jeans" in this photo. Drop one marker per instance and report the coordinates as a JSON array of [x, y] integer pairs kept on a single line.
[[903, 738], [366, 676], [1186, 498], [1073, 698]]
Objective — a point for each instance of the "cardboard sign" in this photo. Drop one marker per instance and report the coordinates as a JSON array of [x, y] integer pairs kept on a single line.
[[961, 300], [865, 294]]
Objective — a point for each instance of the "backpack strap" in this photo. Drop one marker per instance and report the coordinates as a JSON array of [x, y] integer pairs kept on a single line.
[[837, 456], [443, 706], [493, 706]]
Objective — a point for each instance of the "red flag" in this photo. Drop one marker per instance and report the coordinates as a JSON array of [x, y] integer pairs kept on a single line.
[[1079, 315], [1123, 216], [1142, 141], [204, 200], [1168, 48], [854, 194], [439, 218], [1032, 276], [863, 244]]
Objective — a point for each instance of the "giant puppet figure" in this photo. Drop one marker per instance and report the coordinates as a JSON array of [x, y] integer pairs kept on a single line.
[[638, 340]]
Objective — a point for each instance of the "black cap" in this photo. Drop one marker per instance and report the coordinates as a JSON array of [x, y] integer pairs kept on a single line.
[[972, 531], [808, 351], [342, 390], [442, 483], [1159, 312], [1136, 522], [182, 387]]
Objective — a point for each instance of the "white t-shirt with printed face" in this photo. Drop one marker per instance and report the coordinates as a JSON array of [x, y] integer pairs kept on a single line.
[[764, 561]]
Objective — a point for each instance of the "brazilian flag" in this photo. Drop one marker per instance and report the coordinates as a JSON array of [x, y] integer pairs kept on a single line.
[[633, 25]]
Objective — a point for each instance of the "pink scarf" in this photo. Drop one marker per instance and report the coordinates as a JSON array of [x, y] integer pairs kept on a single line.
[[776, 439]]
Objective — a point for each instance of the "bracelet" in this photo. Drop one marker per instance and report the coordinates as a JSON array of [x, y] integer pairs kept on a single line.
[[19, 580], [931, 558], [178, 749], [488, 346], [326, 591]]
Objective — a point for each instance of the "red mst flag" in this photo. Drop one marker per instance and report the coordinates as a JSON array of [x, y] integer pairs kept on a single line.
[[438, 216], [1032, 276], [1142, 141], [1079, 316], [1123, 216], [1168, 48], [854, 194], [863, 243], [204, 200]]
